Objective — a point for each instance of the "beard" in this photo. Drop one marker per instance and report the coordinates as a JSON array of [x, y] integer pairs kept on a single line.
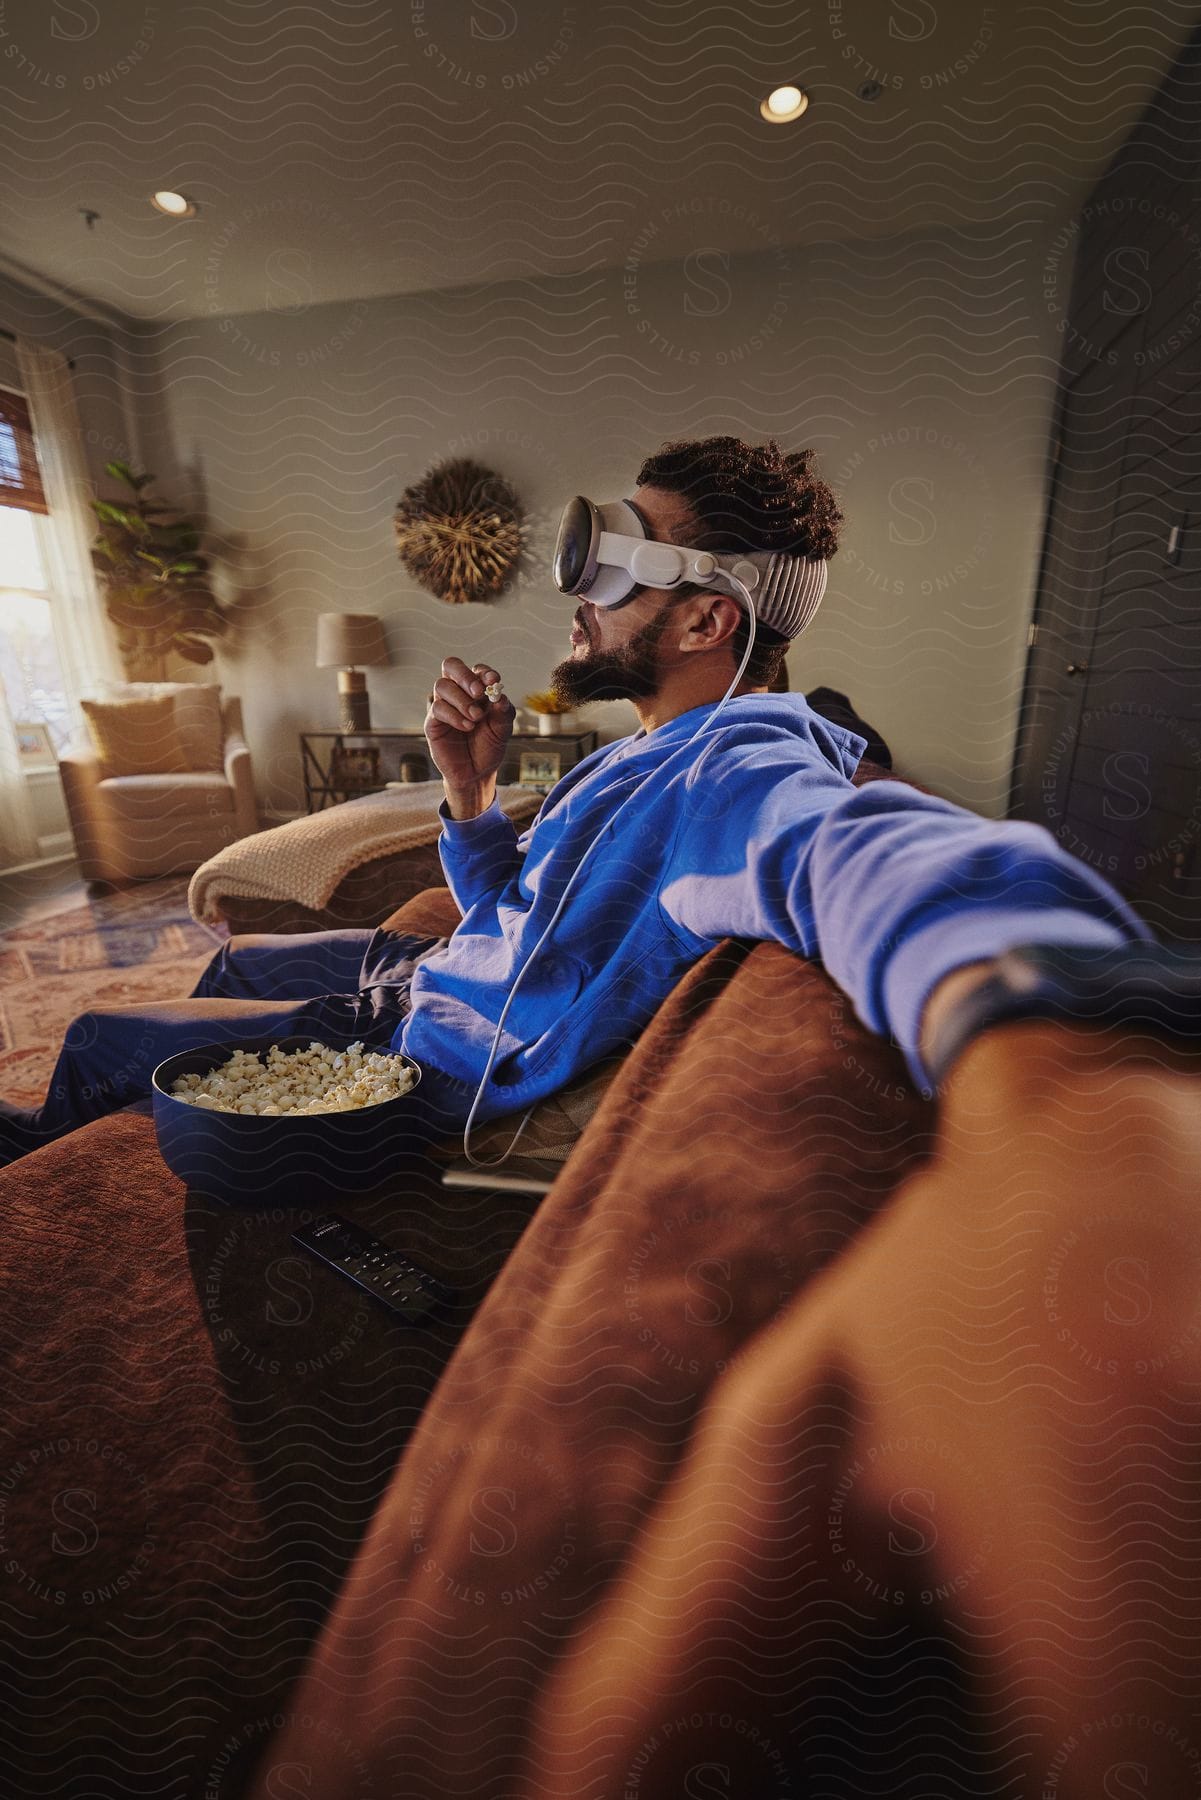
[[631, 673]]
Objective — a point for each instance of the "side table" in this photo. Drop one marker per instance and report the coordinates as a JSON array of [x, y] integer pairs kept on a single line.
[[327, 760]]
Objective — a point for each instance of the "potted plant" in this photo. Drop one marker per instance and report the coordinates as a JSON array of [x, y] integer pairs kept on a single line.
[[155, 580], [550, 710]]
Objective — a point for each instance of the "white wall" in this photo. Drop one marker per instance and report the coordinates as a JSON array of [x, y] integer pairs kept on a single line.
[[922, 371]]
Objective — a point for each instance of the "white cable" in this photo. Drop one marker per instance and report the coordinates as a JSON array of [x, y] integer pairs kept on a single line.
[[745, 596]]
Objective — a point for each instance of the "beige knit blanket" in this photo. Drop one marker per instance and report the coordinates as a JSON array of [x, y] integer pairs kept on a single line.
[[306, 859]]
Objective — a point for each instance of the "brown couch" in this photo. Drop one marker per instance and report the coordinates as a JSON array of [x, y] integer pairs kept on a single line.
[[759, 1449]]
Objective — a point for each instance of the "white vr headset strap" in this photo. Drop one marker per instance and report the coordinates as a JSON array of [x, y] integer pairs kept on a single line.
[[657, 565]]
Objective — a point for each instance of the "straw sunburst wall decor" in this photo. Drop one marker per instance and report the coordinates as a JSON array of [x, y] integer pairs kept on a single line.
[[460, 531]]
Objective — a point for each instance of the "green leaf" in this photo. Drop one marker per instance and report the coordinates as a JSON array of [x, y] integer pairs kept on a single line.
[[111, 513], [121, 471], [154, 575]]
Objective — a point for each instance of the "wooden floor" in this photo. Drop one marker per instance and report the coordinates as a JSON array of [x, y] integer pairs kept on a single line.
[[36, 893]]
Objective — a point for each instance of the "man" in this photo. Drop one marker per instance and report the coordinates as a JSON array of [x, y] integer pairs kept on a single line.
[[673, 838]]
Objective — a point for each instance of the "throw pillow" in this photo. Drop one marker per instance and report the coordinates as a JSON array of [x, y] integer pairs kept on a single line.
[[198, 721], [197, 715], [136, 737]]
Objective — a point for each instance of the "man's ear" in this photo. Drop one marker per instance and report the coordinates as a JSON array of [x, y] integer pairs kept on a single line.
[[716, 623]]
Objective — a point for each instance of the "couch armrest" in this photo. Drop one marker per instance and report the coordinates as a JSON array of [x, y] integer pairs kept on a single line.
[[81, 773], [431, 913], [80, 770], [240, 776]]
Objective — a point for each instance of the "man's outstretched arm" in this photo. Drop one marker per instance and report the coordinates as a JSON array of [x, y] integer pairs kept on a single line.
[[911, 896], [896, 891]]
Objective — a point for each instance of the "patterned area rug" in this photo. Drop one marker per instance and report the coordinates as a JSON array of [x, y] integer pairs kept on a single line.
[[118, 949]]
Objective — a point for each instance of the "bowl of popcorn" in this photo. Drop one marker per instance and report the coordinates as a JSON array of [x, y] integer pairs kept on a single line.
[[290, 1121]]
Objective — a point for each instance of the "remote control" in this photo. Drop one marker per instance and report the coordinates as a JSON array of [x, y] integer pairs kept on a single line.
[[407, 1291]]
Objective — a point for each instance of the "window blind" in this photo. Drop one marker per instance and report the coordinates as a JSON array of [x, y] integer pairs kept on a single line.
[[20, 477]]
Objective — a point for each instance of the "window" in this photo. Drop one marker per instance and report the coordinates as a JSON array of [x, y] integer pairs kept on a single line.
[[29, 666], [10, 456], [20, 476]]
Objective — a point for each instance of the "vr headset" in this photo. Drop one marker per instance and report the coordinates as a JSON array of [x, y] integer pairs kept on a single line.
[[604, 552]]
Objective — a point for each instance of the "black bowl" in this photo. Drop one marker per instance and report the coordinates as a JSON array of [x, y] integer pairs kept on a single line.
[[245, 1159]]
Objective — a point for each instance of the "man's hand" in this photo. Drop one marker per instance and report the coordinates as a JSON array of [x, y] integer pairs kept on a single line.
[[467, 734]]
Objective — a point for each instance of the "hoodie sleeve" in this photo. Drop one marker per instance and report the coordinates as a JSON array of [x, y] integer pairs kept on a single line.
[[479, 856], [893, 889]]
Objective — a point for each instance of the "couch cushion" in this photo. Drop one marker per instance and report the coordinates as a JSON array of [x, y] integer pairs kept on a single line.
[[136, 737], [151, 797]]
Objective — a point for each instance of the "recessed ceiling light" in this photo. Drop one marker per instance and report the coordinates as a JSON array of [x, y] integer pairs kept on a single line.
[[784, 104], [176, 206]]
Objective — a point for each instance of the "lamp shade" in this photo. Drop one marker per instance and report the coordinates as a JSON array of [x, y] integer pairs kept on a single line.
[[350, 640]]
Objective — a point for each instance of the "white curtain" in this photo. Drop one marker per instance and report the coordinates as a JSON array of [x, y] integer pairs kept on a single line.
[[18, 836], [87, 652]]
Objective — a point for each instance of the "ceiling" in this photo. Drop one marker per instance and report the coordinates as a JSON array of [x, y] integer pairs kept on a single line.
[[369, 147]]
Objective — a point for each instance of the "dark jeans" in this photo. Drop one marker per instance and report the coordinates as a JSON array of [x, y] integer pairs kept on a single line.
[[337, 986]]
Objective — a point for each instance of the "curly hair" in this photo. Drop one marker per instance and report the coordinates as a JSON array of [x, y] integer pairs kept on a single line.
[[749, 497]]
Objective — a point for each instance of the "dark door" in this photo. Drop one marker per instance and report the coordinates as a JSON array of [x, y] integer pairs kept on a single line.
[[1108, 754]]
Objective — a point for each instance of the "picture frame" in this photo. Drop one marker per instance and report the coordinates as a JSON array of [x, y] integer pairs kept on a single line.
[[354, 766], [35, 747], [540, 768]]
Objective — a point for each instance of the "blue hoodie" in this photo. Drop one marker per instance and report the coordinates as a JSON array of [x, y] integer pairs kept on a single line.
[[753, 830]]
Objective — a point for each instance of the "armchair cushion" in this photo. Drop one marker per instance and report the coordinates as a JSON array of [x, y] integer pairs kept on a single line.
[[197, 712], [135, 737]]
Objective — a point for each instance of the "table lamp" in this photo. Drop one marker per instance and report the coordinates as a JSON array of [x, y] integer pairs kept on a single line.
[[345, 640]]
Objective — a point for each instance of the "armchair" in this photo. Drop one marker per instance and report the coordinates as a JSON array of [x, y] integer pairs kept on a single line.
[[129, 827]]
